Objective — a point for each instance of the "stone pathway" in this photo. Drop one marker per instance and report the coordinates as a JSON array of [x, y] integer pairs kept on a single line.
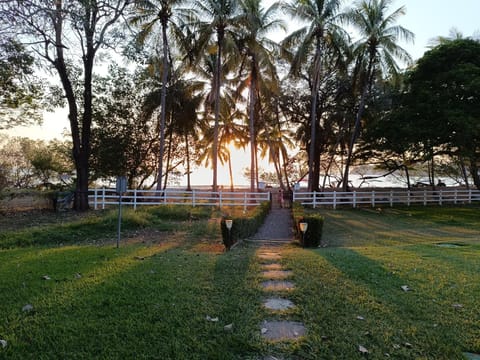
[[276, 231], [277, 286]]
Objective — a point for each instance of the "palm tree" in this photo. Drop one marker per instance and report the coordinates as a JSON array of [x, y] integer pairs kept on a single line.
[[321, 30], [221, 16], [230, 133], [150, 14], [376, 50], [258, 55], [185, 99]]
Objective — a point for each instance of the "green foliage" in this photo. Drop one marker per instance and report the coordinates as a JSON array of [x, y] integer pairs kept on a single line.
[[313, 235], [244, 226], [20, 91], [26, 163], [123, 140]]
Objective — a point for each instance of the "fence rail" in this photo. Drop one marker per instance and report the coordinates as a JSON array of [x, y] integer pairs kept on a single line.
[[101, 198], [390, 197]]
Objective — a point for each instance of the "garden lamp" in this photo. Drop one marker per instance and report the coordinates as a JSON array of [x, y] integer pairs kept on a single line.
[[303, 229]]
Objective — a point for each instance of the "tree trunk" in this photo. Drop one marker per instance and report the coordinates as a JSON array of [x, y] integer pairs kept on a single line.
[[187, 150], [169, 155], [81, 161], [358, 118], [253, 170], [313, 127], [163, 102], [230, 172], [313, 117], [474, 172], [464, 172], [218, 72]]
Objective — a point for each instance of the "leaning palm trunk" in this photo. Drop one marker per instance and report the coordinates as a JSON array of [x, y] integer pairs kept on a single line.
[[217, 110], [163, 110], [313, 119], [253, 169], [230, 172], [187, 151], [358, 118]]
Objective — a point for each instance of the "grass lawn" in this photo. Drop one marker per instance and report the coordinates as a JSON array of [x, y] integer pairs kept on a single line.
[[152, 297]]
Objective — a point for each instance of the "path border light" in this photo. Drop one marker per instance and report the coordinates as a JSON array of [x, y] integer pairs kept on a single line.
[[228, 225], [303, 228]]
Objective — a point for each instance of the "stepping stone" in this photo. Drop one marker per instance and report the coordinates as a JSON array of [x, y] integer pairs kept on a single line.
[[282, 330], [277, 274], [270, 256], [277, 285], [278, 304], [471, 356], [272, 266]]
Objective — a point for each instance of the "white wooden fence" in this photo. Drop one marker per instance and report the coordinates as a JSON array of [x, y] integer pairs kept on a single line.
[[389, 197], [101, 198]]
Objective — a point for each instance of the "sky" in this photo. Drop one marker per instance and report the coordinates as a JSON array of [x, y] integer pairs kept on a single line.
[[427, 19]]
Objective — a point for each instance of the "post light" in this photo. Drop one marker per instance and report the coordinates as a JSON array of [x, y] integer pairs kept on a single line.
[[228, 224], [303, 229]]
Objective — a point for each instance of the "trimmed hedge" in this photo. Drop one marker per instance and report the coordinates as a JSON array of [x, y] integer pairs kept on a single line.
[[313, 235], [243, 227]]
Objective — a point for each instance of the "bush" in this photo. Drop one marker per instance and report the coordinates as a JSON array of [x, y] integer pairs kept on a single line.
[[244, 226], [313, 235]]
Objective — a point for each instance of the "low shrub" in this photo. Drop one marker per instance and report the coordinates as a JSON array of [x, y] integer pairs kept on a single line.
[[313, 235], [244, 226]]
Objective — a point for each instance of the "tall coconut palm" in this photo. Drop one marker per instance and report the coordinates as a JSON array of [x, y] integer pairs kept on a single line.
[[220, 17], [151, 14], [232, 132], [321, 30], [258, 56], [376, 51]]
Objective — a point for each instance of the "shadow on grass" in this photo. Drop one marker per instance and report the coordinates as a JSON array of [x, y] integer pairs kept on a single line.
[[237, 301], [405, 324], [361, 227]]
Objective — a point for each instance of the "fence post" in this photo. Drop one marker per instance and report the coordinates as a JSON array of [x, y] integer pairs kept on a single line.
[[455, 197], [424, 197], [469, 196], [165, 196], [314, 199], [373, 198], [440, 198], [95, 199], [334, 200], [220, 198], [134, 199], [103, 199], [193, 198], [408, 198], [354, 199], [245, 202], [391, 198]]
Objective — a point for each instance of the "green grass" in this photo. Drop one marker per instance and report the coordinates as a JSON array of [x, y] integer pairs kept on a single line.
[[397, 226], [149, 299]]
